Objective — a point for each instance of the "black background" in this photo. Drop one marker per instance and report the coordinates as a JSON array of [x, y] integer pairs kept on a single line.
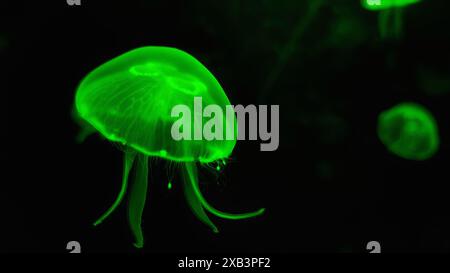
[[330, 187]]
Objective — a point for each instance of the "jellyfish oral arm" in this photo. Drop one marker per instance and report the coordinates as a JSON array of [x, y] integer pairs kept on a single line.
[[137, 195], [127, 165], [137, 200], [193, 189], [194, 202]]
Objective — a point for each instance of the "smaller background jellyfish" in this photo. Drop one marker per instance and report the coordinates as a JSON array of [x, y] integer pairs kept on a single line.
[[390, 18], [409, 131]]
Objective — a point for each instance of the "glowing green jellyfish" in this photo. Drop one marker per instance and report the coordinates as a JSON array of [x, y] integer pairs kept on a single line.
[[129, 101], [409, 130], [390, 20]]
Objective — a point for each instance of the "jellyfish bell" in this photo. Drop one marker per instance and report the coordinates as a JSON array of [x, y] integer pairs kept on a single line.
[[129, 100], [409, 131]]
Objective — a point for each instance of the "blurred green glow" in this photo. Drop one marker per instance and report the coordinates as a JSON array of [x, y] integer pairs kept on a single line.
[[390, 18], [387, 4], [129, 99], [409, 130]]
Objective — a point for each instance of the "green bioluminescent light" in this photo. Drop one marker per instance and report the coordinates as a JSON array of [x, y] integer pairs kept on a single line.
[[387, 4], [129, 100], [390, 20], [409, 130]]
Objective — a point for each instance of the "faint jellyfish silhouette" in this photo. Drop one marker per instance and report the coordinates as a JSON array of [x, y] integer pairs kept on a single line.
[[409, 130], [390, 18]]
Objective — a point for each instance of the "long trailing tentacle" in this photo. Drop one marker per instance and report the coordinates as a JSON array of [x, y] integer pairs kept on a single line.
[[127, 165], [196, 199], [137, 199]]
